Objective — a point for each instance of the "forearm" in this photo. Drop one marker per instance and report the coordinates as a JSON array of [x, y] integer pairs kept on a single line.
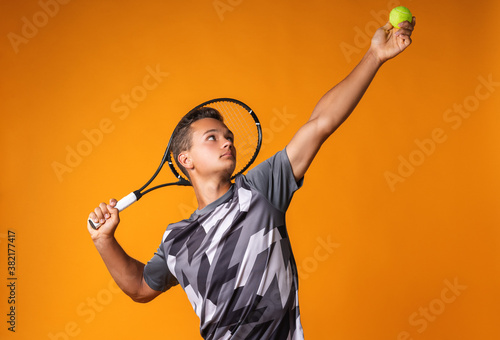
[[339, 102], [125, 270]]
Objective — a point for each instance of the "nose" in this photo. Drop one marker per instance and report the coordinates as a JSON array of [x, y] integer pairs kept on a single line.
[[227, 143]]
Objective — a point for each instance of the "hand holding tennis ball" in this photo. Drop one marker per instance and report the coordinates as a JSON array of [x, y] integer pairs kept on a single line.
[[398, 15], [390, 39]]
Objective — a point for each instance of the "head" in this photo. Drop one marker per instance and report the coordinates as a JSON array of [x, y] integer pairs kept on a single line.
[[183, 134]]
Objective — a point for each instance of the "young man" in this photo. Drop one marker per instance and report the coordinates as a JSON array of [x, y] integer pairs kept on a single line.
[[233, 257]]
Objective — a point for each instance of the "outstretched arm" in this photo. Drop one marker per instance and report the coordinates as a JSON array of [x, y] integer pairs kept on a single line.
[[338, 103], [125, 270]]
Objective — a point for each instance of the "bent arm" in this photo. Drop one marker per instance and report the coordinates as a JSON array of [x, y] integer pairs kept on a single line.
[[125, 270], [339, 102]]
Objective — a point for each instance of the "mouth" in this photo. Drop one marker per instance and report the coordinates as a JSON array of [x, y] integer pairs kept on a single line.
[[227, 154]]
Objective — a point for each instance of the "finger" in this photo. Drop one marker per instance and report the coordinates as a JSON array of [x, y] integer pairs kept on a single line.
[[111, 207], [99, 215], [406, 40], [102, 211], [403, 32], [93, 217], [410, 25], [387, 26], [113, 211], [406, 25]]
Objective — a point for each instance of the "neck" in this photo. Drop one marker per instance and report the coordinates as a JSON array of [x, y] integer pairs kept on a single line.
[[209, 191]]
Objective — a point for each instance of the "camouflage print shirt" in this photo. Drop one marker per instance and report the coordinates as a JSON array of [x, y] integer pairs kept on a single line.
[[234, 259]]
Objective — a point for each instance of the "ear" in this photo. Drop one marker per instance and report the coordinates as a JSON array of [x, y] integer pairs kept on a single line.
[[185, 160]]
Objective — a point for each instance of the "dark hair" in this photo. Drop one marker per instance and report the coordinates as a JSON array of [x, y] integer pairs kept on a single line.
[[182, 136]]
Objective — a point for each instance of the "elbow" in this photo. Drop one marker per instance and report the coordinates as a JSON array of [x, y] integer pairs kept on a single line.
[[329, 126], [143, 294], [325, 127], [141, 299], [139, 296]]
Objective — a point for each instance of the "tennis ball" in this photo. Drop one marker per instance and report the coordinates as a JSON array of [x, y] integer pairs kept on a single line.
[[400, 14]]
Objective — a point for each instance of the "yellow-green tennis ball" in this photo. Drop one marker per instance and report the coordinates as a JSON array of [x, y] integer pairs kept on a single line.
[[400, 14]]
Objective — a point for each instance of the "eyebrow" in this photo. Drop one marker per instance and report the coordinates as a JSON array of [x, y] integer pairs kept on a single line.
[[210, 131], [217, 130]]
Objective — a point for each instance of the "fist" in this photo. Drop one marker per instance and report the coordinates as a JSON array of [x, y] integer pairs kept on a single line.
[[107, 216]]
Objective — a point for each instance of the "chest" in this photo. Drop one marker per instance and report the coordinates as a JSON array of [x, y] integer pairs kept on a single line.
[[234, 238]]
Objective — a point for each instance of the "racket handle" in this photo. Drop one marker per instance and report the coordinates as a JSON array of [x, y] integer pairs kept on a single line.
[[126, 201], [120, 205]]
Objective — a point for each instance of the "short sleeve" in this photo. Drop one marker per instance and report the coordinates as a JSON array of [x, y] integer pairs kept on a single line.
[[274, 179], [156, 273]]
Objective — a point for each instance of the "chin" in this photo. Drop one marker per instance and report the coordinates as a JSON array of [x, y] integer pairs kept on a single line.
[[230, 173]]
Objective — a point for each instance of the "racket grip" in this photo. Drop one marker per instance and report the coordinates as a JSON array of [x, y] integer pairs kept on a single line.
[[120, 205], [126, 201]]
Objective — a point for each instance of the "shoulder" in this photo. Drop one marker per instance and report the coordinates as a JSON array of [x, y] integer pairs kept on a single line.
[[278, 160]]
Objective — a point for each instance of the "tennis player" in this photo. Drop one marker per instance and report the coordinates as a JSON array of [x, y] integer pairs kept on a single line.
[[233, 257]]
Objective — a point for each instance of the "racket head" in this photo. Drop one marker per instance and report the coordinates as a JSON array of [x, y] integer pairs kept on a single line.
[[243, 123]]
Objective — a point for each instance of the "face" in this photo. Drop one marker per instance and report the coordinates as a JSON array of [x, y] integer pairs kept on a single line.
[[212, 150]]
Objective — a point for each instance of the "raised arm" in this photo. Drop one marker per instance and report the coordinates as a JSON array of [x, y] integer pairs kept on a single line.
[[338, 103], [125, 270]]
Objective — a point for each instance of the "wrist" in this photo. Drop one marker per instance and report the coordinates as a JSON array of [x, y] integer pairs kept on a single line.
[[374, 57], [103, 240]]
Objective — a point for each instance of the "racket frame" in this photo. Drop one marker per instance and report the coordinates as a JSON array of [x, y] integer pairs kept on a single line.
[[167, 158]]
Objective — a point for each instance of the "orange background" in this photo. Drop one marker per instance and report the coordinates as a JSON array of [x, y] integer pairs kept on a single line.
[[393, 249]]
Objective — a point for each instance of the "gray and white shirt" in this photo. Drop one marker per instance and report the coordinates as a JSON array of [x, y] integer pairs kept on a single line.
[[234, 259]]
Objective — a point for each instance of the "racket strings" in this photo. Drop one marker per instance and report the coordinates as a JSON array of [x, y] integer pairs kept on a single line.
[[244, 131], [247, 132], [245, 127], [239, 120]]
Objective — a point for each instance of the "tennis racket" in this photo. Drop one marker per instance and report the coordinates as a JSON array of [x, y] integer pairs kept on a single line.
[[239, 118]]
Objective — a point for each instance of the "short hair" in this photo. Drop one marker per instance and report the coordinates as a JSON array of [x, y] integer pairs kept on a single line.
[[182, 135]]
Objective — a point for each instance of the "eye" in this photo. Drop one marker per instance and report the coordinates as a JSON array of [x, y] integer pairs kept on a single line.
[[211, 137], [230, 138]]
